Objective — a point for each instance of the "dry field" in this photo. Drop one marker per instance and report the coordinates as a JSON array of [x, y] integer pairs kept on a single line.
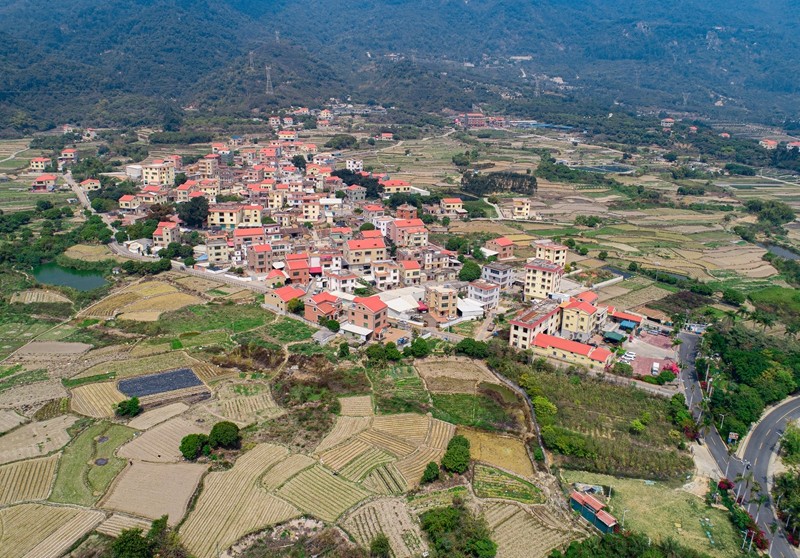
[[453, 375], [386, 480], [39, 531], [358, 406], [521, 534], [144, 301], [413, 466], [318, 492], [43, 350], [142, 365], [344, 429], [408, 426], [161, 443], [29, 480], [36, 439], [391, 517], [341, 455], [199, 284], [155, 489], [31, 296], [210, 372], [96, 400], [493, 227], [218, 520], [150, 309], [281, 472], [10, 420], [504, 452], [90, 253], [149, 419], [244, 403], [118, 522], [387, 442], [637, 298], [358, 469]]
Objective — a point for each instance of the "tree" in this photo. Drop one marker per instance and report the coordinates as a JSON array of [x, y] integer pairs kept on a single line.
[[733, 297], [419, 348], [296, 306], [193, 445], [129, 407], [367, 227], [224, 434], [431, 473], [131, 544], [194, 212], [456, 458], [603, 255], [633, 266], [470, 271], [300, 162], [344, 350], [380, 547], [341, 141], [472, 348], [392, 352], [332, 325], [445, 221]]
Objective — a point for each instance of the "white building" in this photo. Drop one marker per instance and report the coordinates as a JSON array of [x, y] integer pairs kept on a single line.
[[499, 274], [354, 165], [485, 293]]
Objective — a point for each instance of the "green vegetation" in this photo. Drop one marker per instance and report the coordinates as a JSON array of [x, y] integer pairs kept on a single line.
[[490, 482], [18, 378], [627, 545], [786, 490], [455, 533], [456, 458], [224, 434], [287, 330], [431, 473], [479, 411], [235, 318], [75, 382], [790, 445], [81, 479], [380, 547], [128, 408], [194, 445], [499, 182], [782, 303], [160, 541], [398, 389]]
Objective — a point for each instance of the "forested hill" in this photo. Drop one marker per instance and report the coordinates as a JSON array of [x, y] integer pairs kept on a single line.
[[126, 61]]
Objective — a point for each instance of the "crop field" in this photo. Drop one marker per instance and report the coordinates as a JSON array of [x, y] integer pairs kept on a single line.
[[235, 318], [149, 419], [358, 406], [158, 383], [341, 455], [386, 479], [398, 389], [391, 517], [409, 426], [287, 330], [343, 429], [387, 442], [210, 372], [35, 439], [519, 534], [29, 480], [31, 296], [150, 309], [217, 520], [638, 297], [118, 522], [279, 473], [96, 400], [357, 469], [90, 253], [155, 489], [199, 284], [247, 409], [489, 482], [453, 375], [439, 434], [40, 531], [160, 444], [14, 335], [413, 465], [501, 451], [423, 501], [138, 366], [318, 492], [9, 420], [89, 464]]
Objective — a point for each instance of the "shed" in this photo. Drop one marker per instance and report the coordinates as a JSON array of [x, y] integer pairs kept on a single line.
[[613, 337], [627, 325]]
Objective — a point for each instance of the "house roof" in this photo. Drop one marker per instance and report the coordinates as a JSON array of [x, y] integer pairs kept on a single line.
[[410, 265], [276, 273], [46, 177], [617, 315], [550, 341], [90, 181], [288, 293], [297, 264], [404, 223], [373, 303], [587, 500], [395, 182], [127, 198], [248, 232], [484, 285], [373, 207], [534, 315], [375, 233], [261, 248], [366, 244], [324, 297], [452, 200], [587, 296], [544, 265], [582, 306], [503, 241]]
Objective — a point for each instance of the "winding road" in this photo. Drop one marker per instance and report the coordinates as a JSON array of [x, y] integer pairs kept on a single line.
[[756, 450]]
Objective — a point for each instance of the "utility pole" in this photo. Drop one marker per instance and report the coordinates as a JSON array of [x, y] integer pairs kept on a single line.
[[722, 421], [277, 37], [269, 90]]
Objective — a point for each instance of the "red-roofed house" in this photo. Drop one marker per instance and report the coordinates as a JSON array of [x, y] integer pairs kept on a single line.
[[360, 252], [395, 187], [259, 258], [543, 316], [247, 236], [571, 351], [298, 272], [90, 184], [768, 144], [280, 297], [620, 316], [39, 164], [44, 183], [68, 156], [406, 211], [503, 246], [407, 232], [324, 305], [165, 233], [129, 202], [593, 511], [410, 272], [370, 313]]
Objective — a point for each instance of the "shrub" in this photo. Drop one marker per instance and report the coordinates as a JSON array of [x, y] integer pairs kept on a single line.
[[637, 426], [129, 407], [224, 434], [456, 458], [193, 445], [431, 473], [379, 547], [344, 350]]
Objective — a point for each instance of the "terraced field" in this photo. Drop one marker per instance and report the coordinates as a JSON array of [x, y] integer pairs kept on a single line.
[[391, 517], [520, 534], [161, 443], [149, 419], [41, 531], [357, 406], [96, 400], [36, 439], [318, 492], [118, 522], [494, 483], [343, 429], [286, 469], [25, 481]]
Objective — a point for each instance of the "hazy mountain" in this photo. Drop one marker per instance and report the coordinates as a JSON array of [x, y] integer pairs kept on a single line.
[[124, 60]]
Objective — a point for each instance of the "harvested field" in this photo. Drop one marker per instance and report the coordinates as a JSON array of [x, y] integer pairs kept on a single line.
[[150, 309], [343, 429], [159, 383], [386, 480], [189, 395], [156, 416], [520, 534], [199, 284], [459, 374], [413, 466], [637, 298], [109, 306], [29, 480], [40, 531], [464, 227], [151, 288], [218, 520], [90, 252], [144, 301], [246, 409], [408, 426], [423, 501], [494, 483], [55, 349], [30, 296], [318, 492], [139, 366], [36, 439], [387, 442], [359, 406], [439, 434], [342, 454], [10, 420], [501, 451], [118, 522], [210, 372], [391, 517], [96, 400], [155, 489], [357, 469], [160, 444], [279, 473]]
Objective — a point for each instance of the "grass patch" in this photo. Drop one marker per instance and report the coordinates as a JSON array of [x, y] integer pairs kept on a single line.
[[287, 330], [175, 344], [52, 409], [778, 301], [309, 349], [398, 389], [23, 378], [494, 483], [75, 382], [209, 317], [478, 411], [80, 480]]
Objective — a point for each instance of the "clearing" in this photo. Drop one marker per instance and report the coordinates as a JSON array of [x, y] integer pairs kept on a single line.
[[36, 439]]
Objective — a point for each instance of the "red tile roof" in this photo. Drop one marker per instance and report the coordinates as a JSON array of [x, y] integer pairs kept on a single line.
[[550, 341], [248, 232], [503, 241], [261, 248], [403, 223], [582, 306], [297, 264], [452, 200], [288, 293], [366, 244], [375, 233], [623, 315], [373, 303], [324, 297], [587, 296], [410, 265], [127, 198]]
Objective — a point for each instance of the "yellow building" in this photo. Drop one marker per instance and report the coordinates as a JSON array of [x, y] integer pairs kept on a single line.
[[521, 208], [451, 205], [395, 187], [543, 316], [551, 251], [542, 278], [359, 252], [39, 164], [311, 211], [158, 173], [224, 217], [442, 302]]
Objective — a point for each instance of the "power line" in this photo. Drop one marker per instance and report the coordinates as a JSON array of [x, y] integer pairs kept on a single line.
[[269, 90]]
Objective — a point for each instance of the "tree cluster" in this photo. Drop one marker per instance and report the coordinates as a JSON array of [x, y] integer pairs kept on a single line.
[[223, 434], [455, 533]]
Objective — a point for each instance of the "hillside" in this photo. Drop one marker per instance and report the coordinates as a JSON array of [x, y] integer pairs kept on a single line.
[[122, 62]]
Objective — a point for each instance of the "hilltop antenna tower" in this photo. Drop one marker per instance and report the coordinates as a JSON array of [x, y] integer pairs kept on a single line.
[[277, 37], [250, 66], [269, 90], [685, 98]]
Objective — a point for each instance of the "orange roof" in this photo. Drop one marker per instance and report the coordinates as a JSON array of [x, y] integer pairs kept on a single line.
[[375, 233], [452, 200], [373, 207], [342, 230], [41, 159], [248, 232], [288, 293], [396, 182], [90, 181], [550, 341], [276, 273], [324, 297], [503, 241], [168, 224], [582, 306], [410, 265], [623, 315], [402, 223], [127, 198], [70, 150], [261, 248], [373, 303], [587, 296], [297, 264], [302, 256], [366, 244], [151, 188]]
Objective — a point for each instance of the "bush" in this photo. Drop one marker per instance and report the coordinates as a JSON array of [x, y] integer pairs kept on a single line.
[[431, 473], [224, 434], [456, 458], [472, 348], [193, 445], [379, 547], [733, 297], [129, 407]]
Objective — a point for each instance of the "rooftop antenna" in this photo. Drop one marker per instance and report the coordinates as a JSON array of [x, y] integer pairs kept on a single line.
[[269, 91]]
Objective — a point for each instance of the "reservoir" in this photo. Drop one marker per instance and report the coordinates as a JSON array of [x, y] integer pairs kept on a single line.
[[779, 251], [53, 274]]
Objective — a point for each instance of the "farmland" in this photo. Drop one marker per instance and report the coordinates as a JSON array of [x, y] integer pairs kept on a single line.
[[398, 389], [391, 517], [35, 439], [501, 451], [27, 480], [144, 301], [520, 533], [356, 406], [149, 419], [35, 296], [287, 330], [160, 444], [139, 366], [490, 482], [96, 400], [318, 492], [43, 531], [158, 383]]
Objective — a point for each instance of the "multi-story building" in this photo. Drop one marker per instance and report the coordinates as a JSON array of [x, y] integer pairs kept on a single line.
[[571, 351], [208, 166], [551, 251], [360, 252], [542, 277], [322, 306], [451, 206], [580, 320], [407, 232], [218, 250], [498, 273], [386, 274], [39, 164], [395, 187], [129, 202], [224, 216], [406, 211], [159, 173], [252, 215], [166, 233], [354, 165], [355, 193], [370, 313], [410, 272], [503, 246], [341, 281], [521, 208], [484, 293], [259, 258], [90, 185], [543, 316], [248, 236], [442, 302], [279, 298]]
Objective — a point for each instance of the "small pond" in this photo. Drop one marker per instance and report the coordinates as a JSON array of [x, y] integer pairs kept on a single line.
[[54, 274]]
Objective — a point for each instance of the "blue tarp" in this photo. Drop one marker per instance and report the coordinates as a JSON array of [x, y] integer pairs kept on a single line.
[[627, 324]]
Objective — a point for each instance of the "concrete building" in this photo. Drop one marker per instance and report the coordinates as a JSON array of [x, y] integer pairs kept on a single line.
[[498, 273], [279, 298], [502, 246], [442, 302], [543, 316], [551, 251], [572, 352], [361, 252], [542, 278], [370, 313], [485, 293], [158, 173], [259, 258], [521, 208]]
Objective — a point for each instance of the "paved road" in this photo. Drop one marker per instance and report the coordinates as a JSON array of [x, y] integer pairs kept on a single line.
[[758, 448]]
